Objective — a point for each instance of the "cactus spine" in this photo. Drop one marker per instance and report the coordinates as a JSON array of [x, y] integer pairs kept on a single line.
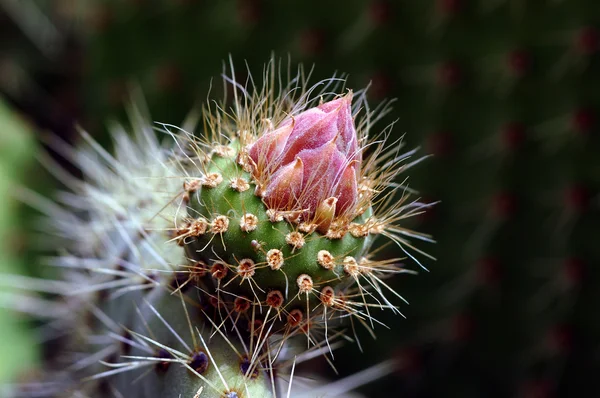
[[198, 266]]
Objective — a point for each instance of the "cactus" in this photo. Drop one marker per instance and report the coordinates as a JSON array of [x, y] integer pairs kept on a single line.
[[283, 221], [211, 265]]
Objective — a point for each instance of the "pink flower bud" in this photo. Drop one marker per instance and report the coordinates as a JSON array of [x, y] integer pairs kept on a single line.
[[309, 158]]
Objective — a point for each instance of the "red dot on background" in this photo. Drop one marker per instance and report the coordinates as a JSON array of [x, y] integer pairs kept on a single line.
[[512, 135], [583, 120], [561, 337], [488, 271], [168, 77], [440, 143], [408, 360], [504, 205], [577, 197], [463, 326], [102, 18], [381, 85], [312, 42], [248, 11], [449, 74], [536, 389], [449, 7], [117, 92], [380, 12], [574, 270], [587, 40], [518, 62]]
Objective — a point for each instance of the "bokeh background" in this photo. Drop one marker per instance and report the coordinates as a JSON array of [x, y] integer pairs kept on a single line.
[[504, 93]]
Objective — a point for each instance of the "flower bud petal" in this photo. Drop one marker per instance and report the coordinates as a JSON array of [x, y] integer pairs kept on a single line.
[[266, 151], [348, 141], [285, 186], [312, 129], [317, 126], [347, 190], [323, 166]]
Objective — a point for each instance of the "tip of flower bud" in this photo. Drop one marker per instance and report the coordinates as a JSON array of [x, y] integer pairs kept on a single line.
[[310, 162], [338, 103]]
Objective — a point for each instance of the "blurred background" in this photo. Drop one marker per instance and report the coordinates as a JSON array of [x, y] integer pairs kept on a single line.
[[504, 93]]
